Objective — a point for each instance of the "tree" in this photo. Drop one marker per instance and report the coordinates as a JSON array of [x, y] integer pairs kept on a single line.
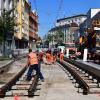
[[59, 36], [39, 39], [1, 33], [50, 37], [7, 24]]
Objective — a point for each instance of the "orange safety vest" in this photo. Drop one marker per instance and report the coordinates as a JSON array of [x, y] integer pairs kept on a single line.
[[61, 56], [47, 57], [32, 58], [41, 55]]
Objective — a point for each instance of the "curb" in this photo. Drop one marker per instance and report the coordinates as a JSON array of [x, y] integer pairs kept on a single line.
[[5, 67]]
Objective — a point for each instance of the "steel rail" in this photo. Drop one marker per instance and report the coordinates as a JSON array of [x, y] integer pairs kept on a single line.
[[32, 88], [5, 67], [9, 84], [79, 80], [95, 73]]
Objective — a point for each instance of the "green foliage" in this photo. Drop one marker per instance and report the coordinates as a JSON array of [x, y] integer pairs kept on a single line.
[[1, 30], [7, 23], [7, 27], [50, 37], [59, 36], [4, 58]]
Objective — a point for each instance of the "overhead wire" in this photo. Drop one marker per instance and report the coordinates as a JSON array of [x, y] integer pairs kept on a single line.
[[59, 8], [58, 11], [60, 4]]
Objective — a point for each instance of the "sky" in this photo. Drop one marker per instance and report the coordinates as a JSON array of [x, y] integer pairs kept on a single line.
[[51, 10]]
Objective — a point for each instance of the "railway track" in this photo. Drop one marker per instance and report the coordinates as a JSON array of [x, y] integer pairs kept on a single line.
[[18, 86], [5, 67], [84, 80], [13, 82]]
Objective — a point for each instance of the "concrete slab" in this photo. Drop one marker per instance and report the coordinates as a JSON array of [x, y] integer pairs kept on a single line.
[[97, 66], [5, 62]]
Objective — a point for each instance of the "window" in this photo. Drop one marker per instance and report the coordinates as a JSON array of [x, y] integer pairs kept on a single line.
[[4, 4], [76, 19], [4, 1], [17, 1], [9, 2]]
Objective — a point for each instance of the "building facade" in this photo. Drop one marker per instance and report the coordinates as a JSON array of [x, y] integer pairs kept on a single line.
[[25, 34], [71, 33], [96, 25], [21, 14], [90, 29], [70, 27], [78, 19], [6, 4], [33, 29], [22, 17]]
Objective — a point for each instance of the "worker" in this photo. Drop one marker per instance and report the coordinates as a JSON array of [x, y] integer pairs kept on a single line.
[[54, 56], [61, 56], [33, 65], [41, 54], [50, 56], [47, 57]]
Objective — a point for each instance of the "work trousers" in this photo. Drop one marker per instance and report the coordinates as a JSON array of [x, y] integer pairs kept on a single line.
[[37, 69]]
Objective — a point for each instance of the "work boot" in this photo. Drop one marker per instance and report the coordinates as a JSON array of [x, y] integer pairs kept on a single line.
[[42, 80]]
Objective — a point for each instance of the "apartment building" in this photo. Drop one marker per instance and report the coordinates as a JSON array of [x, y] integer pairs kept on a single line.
[[70, 27], [96, 25], [27, 24], [91, 28], [33, 28], [71, 33], [22, 8], [22, 16], [78, 19], [6, 4]]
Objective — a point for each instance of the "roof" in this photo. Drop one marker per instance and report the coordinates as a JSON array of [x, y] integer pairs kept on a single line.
[[63, 26], [97, 16], [60, 27], [72, 17]]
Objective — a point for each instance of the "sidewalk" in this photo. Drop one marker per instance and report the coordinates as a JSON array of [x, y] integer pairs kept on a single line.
[[7, 62], [4, 63], [94, 65]]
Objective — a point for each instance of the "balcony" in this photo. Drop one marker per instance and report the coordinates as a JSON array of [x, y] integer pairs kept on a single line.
[[96, 23], [32, 30], [34, 27], [33, 17], [33, 35], [25, 36]]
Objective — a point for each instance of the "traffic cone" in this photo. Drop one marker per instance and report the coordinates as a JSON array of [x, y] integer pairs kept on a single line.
[[16, 97]]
